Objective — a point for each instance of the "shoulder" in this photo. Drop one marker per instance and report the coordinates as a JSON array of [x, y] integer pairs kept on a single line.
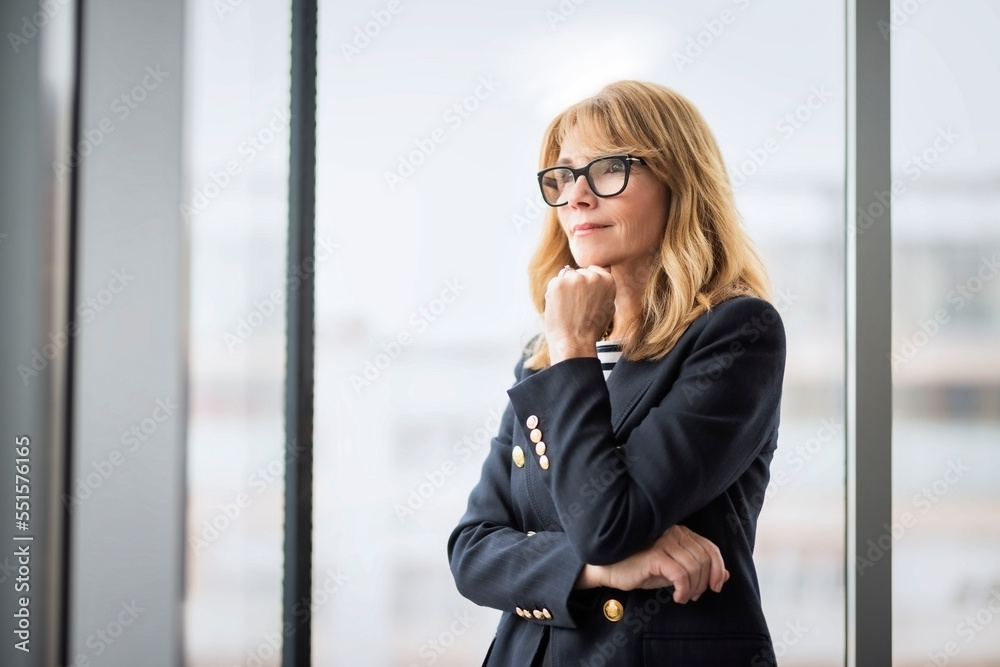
[[743, 317]]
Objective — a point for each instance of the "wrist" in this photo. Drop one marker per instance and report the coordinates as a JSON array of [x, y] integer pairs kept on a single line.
[[560, 350], [590, 577]]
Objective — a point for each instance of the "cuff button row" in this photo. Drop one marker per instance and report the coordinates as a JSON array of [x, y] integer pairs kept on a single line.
[[537, 613]]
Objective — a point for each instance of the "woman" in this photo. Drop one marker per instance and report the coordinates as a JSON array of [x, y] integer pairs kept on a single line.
[[644, 417]]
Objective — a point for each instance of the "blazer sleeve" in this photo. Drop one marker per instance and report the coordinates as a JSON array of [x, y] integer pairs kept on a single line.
[[497, 564], [703, 433]]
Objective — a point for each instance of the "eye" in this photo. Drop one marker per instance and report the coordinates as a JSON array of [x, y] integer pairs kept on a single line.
[[562, 177], [616, 166]]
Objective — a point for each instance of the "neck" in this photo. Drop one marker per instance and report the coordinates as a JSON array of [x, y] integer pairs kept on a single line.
[[628, 300]]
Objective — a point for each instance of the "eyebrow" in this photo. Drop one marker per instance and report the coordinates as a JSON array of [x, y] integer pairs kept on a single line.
[[567, 161]]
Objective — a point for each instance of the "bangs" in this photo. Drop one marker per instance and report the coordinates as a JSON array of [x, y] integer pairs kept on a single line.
[[596, 127]]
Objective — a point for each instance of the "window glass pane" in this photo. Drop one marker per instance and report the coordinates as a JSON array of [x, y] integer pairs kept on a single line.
[[237, 125], [946, 324], [430, 119]]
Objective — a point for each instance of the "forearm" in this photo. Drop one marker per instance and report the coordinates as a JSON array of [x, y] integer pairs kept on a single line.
[[505, 569]]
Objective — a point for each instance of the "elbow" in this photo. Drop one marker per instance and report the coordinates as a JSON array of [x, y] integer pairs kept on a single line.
[[461, 561], [456, 549]]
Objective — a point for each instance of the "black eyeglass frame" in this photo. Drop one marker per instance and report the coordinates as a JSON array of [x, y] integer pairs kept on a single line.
[[585, 172]]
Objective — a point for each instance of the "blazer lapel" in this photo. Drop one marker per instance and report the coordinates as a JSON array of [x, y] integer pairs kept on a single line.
[[627, 383]]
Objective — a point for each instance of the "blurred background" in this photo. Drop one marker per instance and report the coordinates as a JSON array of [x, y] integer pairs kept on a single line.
[[429, 122], [144, 344]]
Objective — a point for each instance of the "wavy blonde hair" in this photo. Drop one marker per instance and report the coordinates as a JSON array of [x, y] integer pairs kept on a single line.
[[705, 256]]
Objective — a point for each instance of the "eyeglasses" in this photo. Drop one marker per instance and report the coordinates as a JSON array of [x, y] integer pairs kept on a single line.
[[606, 176]]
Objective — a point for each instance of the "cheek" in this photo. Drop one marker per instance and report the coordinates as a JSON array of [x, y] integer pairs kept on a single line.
[[560, 218], [642, 231]]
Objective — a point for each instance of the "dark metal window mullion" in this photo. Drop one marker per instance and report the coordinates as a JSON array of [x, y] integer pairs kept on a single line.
[[297, 626], [869, 332]]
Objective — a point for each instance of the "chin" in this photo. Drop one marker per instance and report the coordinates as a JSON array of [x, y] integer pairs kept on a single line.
[[587, 258]]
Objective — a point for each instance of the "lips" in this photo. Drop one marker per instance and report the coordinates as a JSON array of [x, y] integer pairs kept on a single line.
[[587, 227]]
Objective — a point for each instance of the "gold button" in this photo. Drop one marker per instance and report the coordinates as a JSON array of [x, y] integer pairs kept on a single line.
[[535, 435], [530, 533], [531, 422], [613, 610], [520, 612], [544, 462], [540, 448], [518, 456], [546, 614], [538, 614]]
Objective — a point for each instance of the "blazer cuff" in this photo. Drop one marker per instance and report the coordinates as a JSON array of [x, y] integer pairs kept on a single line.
[[550, 602]]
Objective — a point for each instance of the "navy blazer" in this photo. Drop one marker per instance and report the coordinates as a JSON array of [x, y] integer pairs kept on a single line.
[[683, 440]]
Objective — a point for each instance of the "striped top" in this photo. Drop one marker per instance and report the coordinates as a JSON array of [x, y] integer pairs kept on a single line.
[[609, 352]]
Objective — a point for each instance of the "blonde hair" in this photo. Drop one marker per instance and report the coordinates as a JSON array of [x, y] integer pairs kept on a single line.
[[705, 256]]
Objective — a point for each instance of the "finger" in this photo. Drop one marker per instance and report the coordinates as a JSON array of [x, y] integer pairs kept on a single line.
[[680, 544], [698, 560], [677, 574], [718, 573], [600, 270], [678, 565], [701, 556], [717, 567]]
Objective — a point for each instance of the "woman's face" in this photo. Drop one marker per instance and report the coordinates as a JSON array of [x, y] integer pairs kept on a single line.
[[620, 232]]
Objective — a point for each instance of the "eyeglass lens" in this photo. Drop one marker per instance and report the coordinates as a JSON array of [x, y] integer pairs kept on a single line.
[[606, 178]]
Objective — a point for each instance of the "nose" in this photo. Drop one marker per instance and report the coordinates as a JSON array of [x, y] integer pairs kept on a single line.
[[580, 194]]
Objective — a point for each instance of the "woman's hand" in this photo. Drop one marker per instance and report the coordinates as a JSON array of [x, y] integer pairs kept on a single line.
[[579, 306], [680, 557]]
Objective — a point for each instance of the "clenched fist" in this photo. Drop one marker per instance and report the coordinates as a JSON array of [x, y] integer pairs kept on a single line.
[[579, 307]]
